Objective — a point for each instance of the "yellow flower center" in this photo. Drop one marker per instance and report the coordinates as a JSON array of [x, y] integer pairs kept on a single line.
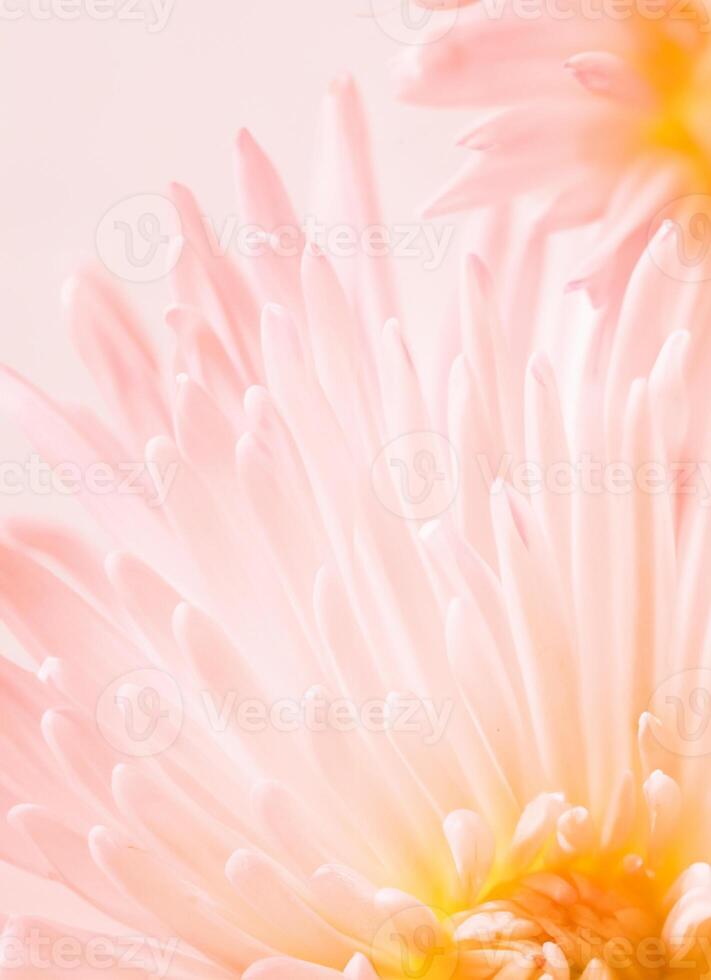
[[545, 925], [675, 61]]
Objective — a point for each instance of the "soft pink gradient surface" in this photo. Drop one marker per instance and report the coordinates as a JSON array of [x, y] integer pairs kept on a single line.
[[94, 112]]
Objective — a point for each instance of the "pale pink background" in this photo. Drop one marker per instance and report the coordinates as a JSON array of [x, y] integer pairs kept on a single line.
[[93, 112]]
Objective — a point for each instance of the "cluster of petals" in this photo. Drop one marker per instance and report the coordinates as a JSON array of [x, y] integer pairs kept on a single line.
[[562, 799], [599, 108]]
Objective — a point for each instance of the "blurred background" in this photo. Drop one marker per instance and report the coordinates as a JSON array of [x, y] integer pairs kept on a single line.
[[95, 111]]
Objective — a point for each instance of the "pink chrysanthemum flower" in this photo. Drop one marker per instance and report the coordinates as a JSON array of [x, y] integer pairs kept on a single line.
[[490, 770], [601, 107]]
